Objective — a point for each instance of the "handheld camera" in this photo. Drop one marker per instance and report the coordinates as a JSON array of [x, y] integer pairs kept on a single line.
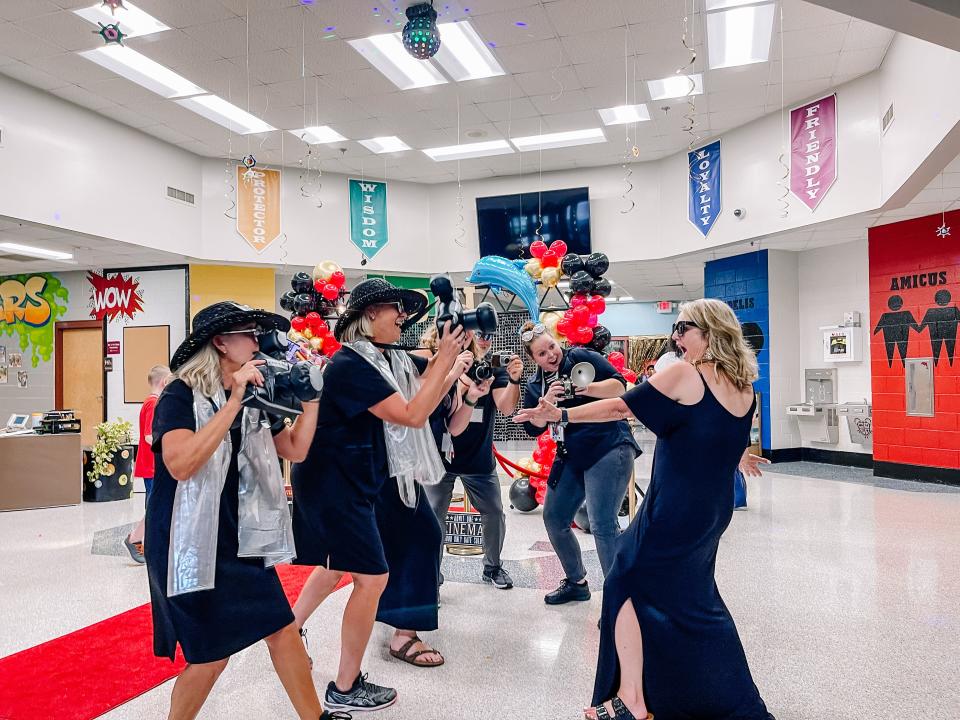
[[286, 385], [482, 320]]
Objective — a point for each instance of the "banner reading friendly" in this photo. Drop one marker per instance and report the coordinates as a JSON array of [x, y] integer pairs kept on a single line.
[[368, 216], [704, 204], [813, 150], [258, 206]]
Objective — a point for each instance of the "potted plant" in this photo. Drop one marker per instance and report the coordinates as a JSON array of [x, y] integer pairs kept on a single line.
[[108, 466]]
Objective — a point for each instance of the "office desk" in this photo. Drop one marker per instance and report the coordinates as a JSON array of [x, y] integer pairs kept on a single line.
[[38, 471]]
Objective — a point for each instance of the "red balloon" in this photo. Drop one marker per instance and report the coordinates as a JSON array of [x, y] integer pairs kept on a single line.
[[338, 279], [581, 314], [592, 322], [538, 456], [559, 247], [538, 248], [545, 441], [330, 292], [314, 321], [630, 376], [578, 300], [617, 360], [597, 304], [318, 285], [298, 323], [563, 327], [586, 333], [541, 496], [331, 346], [549, 259]]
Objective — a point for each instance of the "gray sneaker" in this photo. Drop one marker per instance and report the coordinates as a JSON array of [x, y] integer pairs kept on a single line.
[[135, 549], [362, 697], [498, 577]]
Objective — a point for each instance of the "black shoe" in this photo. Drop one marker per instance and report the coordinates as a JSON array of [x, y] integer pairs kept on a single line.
[[497, 577], [135, 550], [568, 592], [362, 697], [336, 716]]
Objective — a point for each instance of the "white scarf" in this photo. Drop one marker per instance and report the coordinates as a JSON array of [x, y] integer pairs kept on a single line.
[[412, 454], [265, 525]]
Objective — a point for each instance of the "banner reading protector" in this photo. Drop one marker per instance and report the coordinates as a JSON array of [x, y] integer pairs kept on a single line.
[[813, 150], [258, 206]]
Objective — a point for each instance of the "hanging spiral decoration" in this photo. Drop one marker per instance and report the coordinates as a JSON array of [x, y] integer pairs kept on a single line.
[[689, 117], [461, 232], [628, 183]]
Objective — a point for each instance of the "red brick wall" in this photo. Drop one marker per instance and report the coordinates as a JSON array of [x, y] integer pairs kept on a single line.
[[908, 260]]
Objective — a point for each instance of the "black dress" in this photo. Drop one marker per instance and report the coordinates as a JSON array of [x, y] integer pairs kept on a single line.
[[694, 667], [348, 515], [247, 602]]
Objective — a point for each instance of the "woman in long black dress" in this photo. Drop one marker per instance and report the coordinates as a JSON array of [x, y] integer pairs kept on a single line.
[[353, 512], [211, 589], [668, 644]]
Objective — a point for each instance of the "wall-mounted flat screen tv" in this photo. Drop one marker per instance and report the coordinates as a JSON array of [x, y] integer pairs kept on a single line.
[[508, 223]]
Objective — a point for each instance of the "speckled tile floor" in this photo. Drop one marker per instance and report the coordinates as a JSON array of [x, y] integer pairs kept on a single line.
[[846, 595]]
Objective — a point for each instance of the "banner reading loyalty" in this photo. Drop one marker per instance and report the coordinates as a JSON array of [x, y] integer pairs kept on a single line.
[[704, 200], [368, 216]]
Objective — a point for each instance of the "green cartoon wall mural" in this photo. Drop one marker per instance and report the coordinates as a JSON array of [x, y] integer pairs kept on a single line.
[[29, 306]]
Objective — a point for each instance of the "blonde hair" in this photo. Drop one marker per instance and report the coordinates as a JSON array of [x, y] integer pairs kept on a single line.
[[726, 345], [157, 373], [202, 371], [359, 328], [431, 340]]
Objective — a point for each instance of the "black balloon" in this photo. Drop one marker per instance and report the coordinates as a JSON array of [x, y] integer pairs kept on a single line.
[[571, 264], [304, 303], [596, 264], [581, 519], [286, 300], [602, 287], [601, 338], [522, 495], [301, 283], [582, 282]]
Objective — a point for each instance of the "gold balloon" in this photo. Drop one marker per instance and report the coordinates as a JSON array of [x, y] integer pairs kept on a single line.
[[307, 333], [316, 343], [324, 270], [533, 268], [294, 336], [550, 277], [550, 320]]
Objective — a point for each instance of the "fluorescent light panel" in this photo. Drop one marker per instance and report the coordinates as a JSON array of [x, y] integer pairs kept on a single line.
[[624, 114], [128, 63], [712, 5], [559, 140], [675, 86], [626, 298], [387, 54], [35, 251], [464, 55], [740, 36], [318, 135], [133, 21], [223, 113], [385, 144], [470, 150]]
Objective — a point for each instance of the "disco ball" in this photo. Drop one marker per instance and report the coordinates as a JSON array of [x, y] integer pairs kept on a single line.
[[421, 37]]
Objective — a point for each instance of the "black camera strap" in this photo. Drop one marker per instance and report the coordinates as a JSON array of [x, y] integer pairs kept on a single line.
[[390, 346]]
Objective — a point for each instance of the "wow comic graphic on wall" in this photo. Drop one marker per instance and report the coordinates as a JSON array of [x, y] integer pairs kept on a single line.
[[114, 296], [29, 307]]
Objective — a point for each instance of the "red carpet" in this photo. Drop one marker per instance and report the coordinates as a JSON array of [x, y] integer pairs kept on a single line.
[[88, 672]]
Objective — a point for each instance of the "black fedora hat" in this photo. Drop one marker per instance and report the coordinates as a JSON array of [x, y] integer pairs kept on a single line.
[[374, 292], [215, 319]]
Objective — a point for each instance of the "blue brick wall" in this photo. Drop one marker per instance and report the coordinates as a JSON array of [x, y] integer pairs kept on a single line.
[[743, 282]]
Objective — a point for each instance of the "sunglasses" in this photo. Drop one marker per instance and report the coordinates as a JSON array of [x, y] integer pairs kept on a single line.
[[681, 326], [397, 305], [252, 332], [535, 331]]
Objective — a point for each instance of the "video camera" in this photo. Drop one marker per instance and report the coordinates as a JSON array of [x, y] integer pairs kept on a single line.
[[483, 320], [483, 369], [581, 375], [286, 385]]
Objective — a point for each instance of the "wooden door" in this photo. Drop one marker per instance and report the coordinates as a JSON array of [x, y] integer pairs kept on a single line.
[[80, 379]]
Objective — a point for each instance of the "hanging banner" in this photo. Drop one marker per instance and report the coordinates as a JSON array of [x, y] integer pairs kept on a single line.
[[258, 206], [704, 205], [368, 216], [813, 150]]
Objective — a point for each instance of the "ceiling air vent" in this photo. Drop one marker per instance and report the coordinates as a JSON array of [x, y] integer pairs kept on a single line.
[[887, 119], [181, 196]]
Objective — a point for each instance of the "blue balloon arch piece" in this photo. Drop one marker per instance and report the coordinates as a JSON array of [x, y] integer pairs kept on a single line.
[[503, 274]]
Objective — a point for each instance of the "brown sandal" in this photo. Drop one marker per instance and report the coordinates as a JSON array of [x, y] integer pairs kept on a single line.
[[411, 658]]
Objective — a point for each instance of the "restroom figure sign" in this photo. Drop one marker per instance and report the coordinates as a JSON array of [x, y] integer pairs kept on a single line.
[[896, 326], [942, 322]]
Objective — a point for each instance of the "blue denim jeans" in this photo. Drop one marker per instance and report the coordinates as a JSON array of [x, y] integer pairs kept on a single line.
[[603, 486]]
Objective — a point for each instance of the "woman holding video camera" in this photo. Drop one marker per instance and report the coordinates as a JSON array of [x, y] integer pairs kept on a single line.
[[217, 520], [357, 505], [594, 461]]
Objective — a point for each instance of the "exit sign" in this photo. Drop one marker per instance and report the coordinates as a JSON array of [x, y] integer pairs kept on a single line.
[[664, 307]]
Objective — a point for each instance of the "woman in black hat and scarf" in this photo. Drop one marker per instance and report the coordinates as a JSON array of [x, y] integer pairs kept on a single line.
[[217, 520], [357, 505]]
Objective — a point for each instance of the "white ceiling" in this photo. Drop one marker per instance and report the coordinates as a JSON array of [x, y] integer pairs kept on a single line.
[[568, 61]]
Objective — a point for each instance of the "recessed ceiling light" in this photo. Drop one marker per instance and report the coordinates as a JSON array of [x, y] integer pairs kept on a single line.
[[223, 113], [740, 36], [712, 5], [559, 140], [626, 298], [132, 20], [36, 251], [469, 150], [464, 55], [623, 114], [675, 86], [128, 63], [387, 54], [318, 135], [385, 144]]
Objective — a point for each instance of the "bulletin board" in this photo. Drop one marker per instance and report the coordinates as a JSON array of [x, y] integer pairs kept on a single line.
[[143, 347]]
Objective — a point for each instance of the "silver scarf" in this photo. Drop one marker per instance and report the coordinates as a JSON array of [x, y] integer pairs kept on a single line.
[[265, 525], [412, 454]]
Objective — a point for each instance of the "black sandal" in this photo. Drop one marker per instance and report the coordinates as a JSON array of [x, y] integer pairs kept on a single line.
[[620, 711], [336, 715]]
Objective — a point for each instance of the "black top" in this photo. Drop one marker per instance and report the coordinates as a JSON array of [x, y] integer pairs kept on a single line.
[[586, 443], [473, 448]]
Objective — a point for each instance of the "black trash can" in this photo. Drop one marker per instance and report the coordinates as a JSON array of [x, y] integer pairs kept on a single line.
[[117, 481]]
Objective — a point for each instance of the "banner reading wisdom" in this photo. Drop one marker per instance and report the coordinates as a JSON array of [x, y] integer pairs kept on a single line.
[[368, 216]]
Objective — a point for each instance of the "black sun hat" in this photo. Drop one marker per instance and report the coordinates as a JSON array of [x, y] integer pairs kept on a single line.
[[217, 318], [374, 292]]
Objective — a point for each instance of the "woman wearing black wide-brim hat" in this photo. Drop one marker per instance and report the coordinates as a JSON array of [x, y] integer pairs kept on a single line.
[[217, 521], [357, 504]]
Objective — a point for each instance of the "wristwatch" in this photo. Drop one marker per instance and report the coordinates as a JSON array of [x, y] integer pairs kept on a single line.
[[467, 402], [514, 382]]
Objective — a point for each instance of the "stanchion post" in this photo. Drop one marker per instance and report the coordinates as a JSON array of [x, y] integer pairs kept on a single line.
[[632, 497]]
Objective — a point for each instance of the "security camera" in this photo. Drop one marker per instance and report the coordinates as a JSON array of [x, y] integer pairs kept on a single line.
[[739, 213]]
